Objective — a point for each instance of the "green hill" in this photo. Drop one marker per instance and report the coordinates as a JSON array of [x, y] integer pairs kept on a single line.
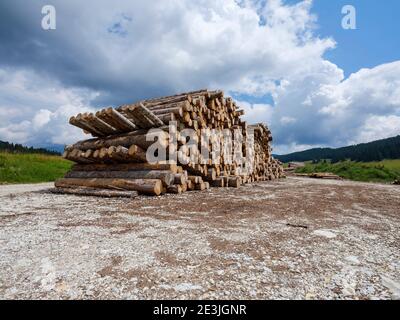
[[365, 152], [383, 171], [31, 167]]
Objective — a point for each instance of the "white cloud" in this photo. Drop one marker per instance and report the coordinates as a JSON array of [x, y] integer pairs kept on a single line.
[[346, 111], [41, 118], [24, 120], [16, 132], [324, 109], [378, 127], [137, 49], [256, 113], [287, 120]]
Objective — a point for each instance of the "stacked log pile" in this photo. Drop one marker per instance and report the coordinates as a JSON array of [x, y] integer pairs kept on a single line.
[[115, 158], [265, 166]]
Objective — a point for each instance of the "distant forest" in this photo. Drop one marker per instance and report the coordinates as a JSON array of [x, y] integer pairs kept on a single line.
[[18, 148], [365, 152]]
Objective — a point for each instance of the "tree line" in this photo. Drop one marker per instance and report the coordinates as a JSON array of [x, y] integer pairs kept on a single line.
[[19, 148], [365, 152]]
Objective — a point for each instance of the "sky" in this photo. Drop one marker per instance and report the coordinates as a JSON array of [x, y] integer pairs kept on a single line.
[[289, 64]]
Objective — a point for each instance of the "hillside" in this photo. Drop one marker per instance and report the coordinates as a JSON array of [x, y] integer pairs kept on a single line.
[[31, 168], [365, 152], [19, 148], [385, 171]]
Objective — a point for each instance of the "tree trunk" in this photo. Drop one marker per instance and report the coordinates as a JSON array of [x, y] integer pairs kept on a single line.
[[145, 186], [124, 167], [165, 176], [82, 191]]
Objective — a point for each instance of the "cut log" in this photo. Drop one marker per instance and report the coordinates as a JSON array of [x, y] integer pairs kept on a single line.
[[99, 124], [184, 187], [137, 153], [118, 154], [218, 182], [125, 167], [81, 191], [211, 174], [146, 122], [80, 123], [166, 118], [150, 115], [138, 138], [195, 179], [166, 177], [179, 178], [234, 182], [200, 186], [177, 111], [175, 188], [77, 155], [130, 112], [144, 186], [116, 120]]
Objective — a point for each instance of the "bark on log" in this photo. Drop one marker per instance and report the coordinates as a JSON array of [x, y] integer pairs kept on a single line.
[[211, 174], [151, 116], [130, 111], [116, 119], [145, 186], [76, 155], [166, 177], [82, 191], [124, 167], [218, 183], [166, 118], [184, 187], [179, 178], [177, 111], [146, 122], [200, 186], [78, 122], [138, 138], [137, 153], [195, 179], [234, 182], [118, 154], [99, 124], [175, 188]]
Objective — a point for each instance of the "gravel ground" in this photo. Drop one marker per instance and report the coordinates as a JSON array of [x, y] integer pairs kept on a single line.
[[296, 238]]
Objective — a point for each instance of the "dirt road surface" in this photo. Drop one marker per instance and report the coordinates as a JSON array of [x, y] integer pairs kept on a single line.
[[296, 238]]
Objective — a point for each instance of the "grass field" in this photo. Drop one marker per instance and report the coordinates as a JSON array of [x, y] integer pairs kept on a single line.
[[382, 171], [31, 168]]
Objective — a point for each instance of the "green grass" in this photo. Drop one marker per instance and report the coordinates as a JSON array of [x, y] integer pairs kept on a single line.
[[383, 171], [31, 168]]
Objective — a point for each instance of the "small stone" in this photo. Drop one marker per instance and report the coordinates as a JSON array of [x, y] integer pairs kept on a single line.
[[310, 296], [325, 233], [348, 291], [353, 260]]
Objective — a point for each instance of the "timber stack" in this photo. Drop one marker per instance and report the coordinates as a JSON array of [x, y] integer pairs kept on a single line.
[[115, 159]]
